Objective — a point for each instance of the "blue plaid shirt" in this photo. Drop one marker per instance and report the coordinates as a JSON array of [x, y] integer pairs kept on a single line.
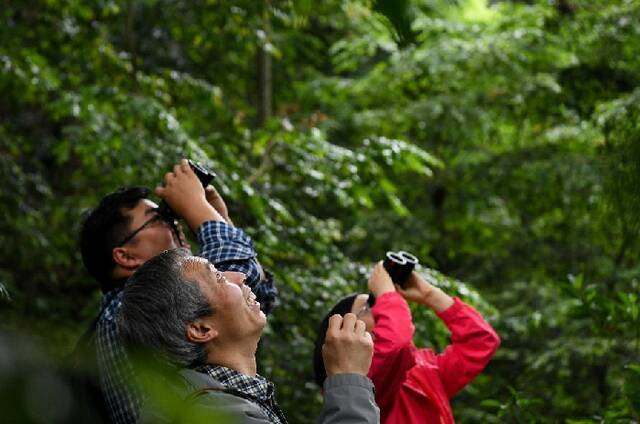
[[229, 249]]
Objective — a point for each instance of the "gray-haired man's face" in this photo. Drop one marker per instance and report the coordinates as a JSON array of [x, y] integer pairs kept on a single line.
[[237, 313]]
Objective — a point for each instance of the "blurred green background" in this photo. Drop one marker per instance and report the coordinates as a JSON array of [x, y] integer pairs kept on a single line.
[[497, 140]]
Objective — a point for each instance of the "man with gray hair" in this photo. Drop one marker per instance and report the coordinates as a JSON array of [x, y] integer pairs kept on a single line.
[[208, 324], [125, 230]]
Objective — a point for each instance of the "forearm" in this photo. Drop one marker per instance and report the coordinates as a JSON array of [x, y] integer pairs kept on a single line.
[[201, 213], [349, 398], [473, 343], [220, 243], [394, 327], [437, 300]]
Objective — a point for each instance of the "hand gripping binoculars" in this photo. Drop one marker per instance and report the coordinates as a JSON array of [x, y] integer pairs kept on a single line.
[[168, 215], [399, 265], [204, 175]]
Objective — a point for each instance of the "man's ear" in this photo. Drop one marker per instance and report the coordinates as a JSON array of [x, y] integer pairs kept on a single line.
[[201, 331], [123, 258]]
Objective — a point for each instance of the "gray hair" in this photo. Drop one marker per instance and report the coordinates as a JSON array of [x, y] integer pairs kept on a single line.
[[158, 305]]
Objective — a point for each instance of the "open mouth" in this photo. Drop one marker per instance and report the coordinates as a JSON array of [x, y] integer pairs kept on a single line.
[[251, 299]]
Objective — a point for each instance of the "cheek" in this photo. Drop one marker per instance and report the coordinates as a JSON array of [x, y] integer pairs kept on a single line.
[[164, 238], [157, 242], [230, 294]]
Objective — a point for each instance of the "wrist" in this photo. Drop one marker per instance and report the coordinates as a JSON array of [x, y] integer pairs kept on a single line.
[[199, 214], [347, 370], [437, 300], [427, 296]]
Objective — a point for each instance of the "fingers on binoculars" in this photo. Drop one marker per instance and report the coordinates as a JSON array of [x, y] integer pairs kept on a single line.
[[335, 322], [349, 322]]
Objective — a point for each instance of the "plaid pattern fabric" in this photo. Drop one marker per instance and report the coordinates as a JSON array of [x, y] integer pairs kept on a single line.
[[229, 249], [115, 370], [257, 388]]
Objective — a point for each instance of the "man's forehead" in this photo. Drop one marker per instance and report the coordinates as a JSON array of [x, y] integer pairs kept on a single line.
[[144, 207], [196, 264]]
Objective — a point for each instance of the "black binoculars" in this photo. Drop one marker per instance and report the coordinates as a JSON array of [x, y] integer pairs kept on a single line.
[[204, 175], [399, 265]]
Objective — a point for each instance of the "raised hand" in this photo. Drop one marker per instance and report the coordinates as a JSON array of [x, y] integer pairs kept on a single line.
[[380, 281], [183, 191], [348, 347]]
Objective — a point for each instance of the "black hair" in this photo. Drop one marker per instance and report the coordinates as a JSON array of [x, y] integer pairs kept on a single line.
[[157, 306], [103, 228], [343, 306]]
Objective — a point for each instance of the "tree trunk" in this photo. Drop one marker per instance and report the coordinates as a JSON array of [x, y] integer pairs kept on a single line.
[[263, 63]]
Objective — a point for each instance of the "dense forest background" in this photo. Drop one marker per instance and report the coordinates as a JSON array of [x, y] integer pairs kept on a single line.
[[499, 141]]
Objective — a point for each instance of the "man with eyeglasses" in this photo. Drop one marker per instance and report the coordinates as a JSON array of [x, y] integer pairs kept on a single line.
[[124, 231]]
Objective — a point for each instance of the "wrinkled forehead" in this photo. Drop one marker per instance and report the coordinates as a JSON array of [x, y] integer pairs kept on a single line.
[[195, 265]]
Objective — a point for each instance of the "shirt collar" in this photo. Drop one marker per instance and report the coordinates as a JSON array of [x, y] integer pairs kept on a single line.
[[257, 386]]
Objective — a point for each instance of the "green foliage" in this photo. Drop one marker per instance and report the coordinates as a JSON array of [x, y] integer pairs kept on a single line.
[[499, 141]]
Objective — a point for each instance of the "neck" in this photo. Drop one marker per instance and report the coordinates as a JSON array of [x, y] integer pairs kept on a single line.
[[119, 273], [114, 283], [238, 357]]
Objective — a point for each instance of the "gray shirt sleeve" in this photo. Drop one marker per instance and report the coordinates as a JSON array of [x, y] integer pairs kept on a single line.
[[349, 399]]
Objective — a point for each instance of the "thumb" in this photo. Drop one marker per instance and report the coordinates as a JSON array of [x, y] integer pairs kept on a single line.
[[400, 290], [211, 192], [159, 191]]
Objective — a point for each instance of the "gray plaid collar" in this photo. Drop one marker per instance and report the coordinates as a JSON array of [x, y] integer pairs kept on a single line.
[[258, 386]]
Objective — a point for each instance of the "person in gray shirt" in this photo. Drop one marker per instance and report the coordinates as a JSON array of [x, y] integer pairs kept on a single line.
[[207, 324]]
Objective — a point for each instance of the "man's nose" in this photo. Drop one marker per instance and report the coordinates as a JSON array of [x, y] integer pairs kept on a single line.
[[235, 277]]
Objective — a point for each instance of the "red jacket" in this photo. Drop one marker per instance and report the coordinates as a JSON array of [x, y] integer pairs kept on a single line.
[[414, 385]]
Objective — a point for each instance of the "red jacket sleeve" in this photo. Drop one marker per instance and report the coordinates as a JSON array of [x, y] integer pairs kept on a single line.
[[392, 348], [394, 328], [474, 342]]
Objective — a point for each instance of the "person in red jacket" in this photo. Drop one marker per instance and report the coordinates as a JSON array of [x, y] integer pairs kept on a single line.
[[414, 385]]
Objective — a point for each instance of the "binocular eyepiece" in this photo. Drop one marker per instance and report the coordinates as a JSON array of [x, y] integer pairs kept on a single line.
[[399, 265]]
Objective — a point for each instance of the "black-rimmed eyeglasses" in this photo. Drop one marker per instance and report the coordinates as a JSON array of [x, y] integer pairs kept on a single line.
[[155, 218]]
